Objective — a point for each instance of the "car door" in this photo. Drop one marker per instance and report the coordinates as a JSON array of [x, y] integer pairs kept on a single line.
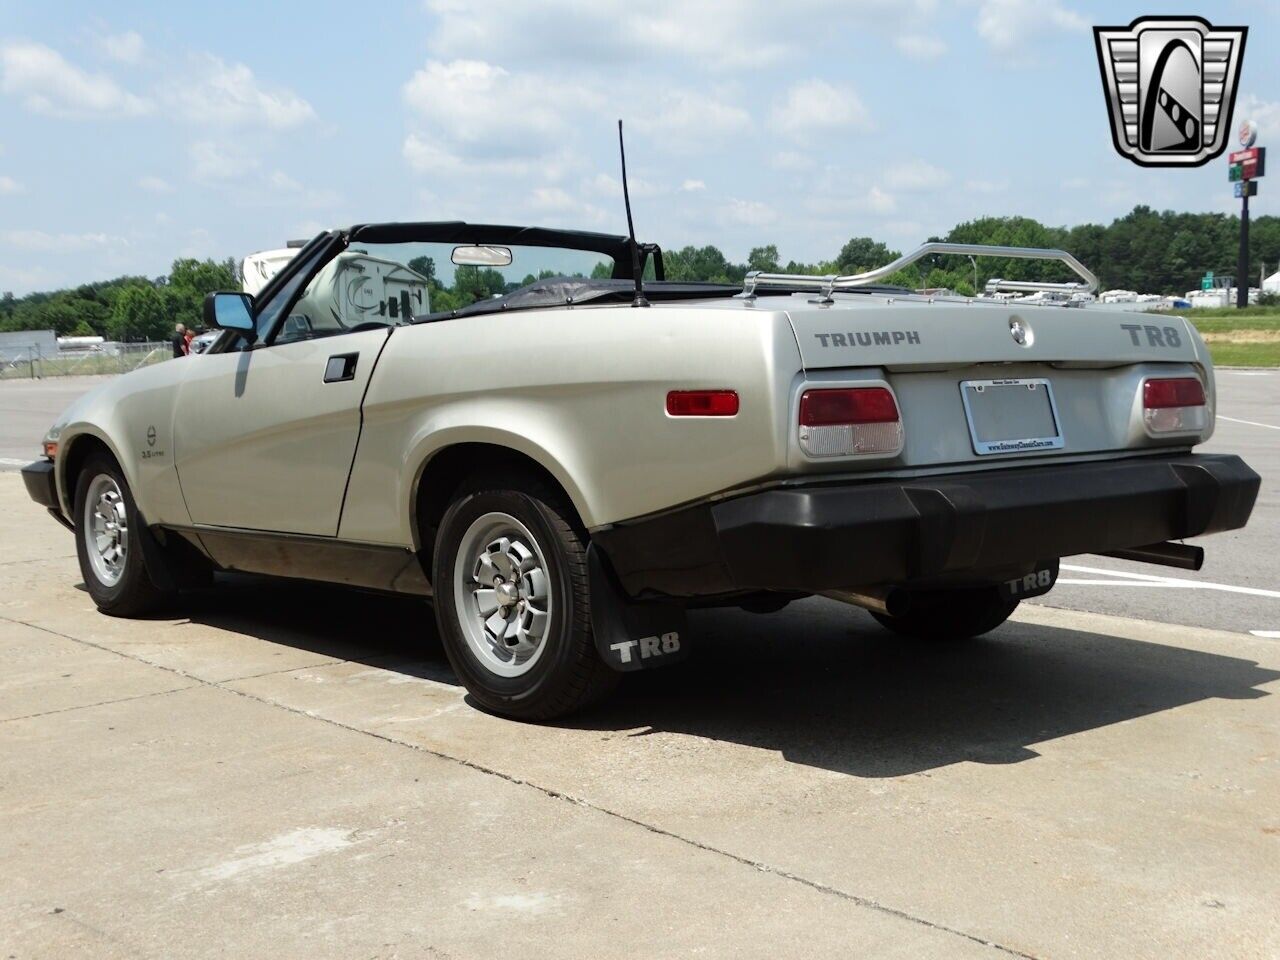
[[265, 437]]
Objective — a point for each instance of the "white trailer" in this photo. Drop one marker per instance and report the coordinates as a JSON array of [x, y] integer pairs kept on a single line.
[[355, 288], [257, 268]]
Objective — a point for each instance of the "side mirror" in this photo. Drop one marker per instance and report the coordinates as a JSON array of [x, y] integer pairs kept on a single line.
[[230, 311]]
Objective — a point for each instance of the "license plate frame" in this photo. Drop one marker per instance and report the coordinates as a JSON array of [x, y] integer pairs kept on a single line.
[[1011, 445]]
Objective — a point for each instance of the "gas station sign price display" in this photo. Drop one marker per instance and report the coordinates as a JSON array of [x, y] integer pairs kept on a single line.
[[1247, 164]]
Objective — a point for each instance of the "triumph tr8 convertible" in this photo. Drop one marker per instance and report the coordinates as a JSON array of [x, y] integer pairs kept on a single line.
[[564, 459]]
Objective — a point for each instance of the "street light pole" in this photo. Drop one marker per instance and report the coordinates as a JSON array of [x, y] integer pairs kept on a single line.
[[1242, 257]]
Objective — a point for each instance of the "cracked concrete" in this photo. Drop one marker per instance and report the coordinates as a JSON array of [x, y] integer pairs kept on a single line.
[[287, 770]]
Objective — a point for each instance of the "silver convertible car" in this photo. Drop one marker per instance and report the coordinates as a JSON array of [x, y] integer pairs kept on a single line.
[[565, 451]]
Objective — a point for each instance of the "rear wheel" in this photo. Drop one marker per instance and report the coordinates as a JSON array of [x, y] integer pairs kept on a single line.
[[107, 530], [956, 614], [512, 600]]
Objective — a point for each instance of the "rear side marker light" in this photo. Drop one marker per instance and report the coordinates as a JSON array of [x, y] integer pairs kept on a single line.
[[702, 403], [51, 449], [856, 421], [1175, 405]]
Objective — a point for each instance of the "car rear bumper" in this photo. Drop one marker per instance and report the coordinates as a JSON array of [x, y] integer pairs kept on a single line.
[[829, 537], [42, 487]]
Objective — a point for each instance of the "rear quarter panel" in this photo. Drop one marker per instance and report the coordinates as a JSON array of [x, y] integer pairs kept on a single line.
[[583, 392]]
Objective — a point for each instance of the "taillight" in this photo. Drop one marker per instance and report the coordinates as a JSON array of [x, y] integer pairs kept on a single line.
[[1174, 405], [849, 422], [702, 403], [51, 449]]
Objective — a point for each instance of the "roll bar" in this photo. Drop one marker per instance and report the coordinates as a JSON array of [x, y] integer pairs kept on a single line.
[[832, 283]]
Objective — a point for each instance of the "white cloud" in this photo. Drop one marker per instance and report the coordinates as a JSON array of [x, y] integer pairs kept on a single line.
[[751, 213], [879, 201], [686, 119], [703, 33], [1265, 113], [558, 204], [40, 241], [155, 185], [46, 83], [1009, 25], [692, 186], [986, 186], [212, 161], [791, 160], [228, 94], [606, 186], [488, 109], [279, 180], [815, 105], [427, 155], [920, 47], [8, 185], [1075, 183], [127, 47], [286, 189], [916, 175]]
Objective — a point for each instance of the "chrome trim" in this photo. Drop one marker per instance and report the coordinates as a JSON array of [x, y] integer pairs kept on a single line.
[[827, 285], [1038, 444]]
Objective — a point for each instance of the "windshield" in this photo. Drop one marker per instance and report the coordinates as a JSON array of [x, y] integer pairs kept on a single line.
[[385, 283]]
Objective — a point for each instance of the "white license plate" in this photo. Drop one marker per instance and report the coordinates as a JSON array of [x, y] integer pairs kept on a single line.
[[1011, 416]]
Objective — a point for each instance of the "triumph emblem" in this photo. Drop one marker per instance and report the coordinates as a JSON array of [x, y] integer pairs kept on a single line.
[[1020, 332], [1170, 84]]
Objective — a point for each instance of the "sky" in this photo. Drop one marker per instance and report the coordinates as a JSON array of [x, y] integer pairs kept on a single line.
[[132, 133]]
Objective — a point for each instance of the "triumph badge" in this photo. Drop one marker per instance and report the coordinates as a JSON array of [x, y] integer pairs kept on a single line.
[[1170, 84], [1020, 332]]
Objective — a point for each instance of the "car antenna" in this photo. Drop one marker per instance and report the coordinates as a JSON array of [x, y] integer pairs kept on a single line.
[[636, 271]]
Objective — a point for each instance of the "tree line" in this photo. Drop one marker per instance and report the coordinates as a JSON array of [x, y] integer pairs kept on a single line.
[[126, 308], [1146, 250]]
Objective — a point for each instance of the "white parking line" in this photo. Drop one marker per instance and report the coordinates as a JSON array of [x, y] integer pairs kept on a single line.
[[1266, 634], [1120, 583], [10, 462], [1249, 423], [1154, 581]]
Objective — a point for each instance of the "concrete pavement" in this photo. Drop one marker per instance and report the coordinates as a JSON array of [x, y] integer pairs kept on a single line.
[[289, 770]]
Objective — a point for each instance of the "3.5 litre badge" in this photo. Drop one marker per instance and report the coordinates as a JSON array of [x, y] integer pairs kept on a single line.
[[1170, 84]]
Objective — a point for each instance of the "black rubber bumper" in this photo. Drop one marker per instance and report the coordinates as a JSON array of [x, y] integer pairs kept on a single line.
[[41, 486], [829, 537]]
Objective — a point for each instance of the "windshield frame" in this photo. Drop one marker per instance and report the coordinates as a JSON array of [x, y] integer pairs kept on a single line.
[[617, 247]]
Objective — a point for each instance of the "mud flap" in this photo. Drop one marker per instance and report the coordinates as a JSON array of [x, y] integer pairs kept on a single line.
[[632, 634], [1039, 581]]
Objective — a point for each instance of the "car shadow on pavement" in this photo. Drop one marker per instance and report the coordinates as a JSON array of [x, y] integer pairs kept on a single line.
[[819, 683], [825, 686], [380, 630]]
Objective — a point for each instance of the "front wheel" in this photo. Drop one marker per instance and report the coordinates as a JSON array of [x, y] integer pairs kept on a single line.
[[955, 614], [107, 531], [512, 601]]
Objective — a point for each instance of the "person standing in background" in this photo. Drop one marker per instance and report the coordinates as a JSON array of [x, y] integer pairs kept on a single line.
[[186, 341], [179, 341]]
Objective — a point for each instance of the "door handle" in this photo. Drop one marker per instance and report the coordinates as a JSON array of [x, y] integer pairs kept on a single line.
[[341, 366]]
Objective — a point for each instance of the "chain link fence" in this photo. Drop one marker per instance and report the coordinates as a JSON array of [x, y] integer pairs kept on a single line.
[[34, 362]]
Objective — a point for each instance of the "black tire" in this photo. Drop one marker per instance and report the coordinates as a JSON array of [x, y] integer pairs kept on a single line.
[[568, 673], [945, 615], [133, 593]]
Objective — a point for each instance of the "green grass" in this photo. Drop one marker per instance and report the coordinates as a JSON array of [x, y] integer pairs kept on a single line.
[[1245, 354], [1221, 319]]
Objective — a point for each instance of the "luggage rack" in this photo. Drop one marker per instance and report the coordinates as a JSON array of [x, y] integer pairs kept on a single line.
[[833, 284]]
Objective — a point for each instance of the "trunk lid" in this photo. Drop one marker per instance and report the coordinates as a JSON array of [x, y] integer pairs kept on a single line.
[[908, 332]]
